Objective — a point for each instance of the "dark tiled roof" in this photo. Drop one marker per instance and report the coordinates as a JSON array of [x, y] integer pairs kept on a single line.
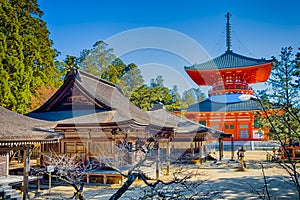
[[211, 106], [228, 60], [16, 127]]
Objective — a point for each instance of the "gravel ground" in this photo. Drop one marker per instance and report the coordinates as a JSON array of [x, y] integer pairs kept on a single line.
[[221, 180]]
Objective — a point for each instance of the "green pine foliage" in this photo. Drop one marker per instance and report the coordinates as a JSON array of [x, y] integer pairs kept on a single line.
[[192, 96], [281, 99], [97, 59], [101, 62], [131, 79], [145, 97], [27, 59]]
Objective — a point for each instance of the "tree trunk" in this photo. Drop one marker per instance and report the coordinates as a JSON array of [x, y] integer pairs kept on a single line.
[[131, 178]]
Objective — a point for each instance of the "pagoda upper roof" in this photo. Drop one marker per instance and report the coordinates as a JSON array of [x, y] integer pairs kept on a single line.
[[228, 60]]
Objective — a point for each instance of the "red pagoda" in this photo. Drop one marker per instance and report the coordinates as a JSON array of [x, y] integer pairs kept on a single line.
[[231, 104]]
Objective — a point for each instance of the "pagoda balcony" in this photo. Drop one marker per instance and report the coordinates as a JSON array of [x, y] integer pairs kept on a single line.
[[230, 91], [231, 85]]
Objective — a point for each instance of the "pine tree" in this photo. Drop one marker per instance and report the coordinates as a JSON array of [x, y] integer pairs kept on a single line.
[[131, 79], [27, 59], [192, 96], [97, 59], [16, 91], [7, 98], [281, 109], [282, 100], [37, 46]]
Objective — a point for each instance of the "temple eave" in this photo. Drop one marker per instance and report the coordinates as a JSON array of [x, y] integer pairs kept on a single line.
[[252, 74]]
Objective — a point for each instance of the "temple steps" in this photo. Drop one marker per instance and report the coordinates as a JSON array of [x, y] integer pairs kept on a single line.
[[7, 193]]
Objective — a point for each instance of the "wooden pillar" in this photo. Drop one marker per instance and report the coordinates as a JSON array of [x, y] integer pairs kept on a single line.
[[26, 160], [104, 179], [220, 148], [87, 177], [42, 150], [7, 164], [192, 147], [232, 148], [157, 161], [87, 148], [251, 126], [200, 149], [62, 146], [37, 182], [168, 157], [59, 147], [208, 120], [237, 129], [113, 150]]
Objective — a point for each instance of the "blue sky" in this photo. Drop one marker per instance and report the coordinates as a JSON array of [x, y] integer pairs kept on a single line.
[[260, 29]]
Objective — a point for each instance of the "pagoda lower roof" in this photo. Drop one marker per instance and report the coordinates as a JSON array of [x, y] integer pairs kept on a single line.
[[228, 60], [208, 105]]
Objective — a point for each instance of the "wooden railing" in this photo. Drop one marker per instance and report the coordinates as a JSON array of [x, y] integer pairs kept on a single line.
[[228, 91], [290, 151]]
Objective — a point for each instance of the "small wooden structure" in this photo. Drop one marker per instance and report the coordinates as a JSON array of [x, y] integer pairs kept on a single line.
[[21, 133], [292, 152]]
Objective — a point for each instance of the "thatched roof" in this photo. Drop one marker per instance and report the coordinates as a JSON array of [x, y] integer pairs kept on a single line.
[[16, 128]]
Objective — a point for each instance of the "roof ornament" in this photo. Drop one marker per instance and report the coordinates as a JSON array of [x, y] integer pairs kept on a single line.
[[228, 32]]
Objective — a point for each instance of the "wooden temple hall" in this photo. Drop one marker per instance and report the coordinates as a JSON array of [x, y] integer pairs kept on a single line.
[[21, 135], [103, 127]]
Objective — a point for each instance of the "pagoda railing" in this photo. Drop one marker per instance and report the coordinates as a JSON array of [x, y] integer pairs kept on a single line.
[[230, 91], [230, 85]]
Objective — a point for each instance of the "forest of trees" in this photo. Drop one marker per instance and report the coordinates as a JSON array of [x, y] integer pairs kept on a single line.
[[100, 61], [30, 73], [26, 55]]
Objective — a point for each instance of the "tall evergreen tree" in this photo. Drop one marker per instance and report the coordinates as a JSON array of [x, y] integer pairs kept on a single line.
[[13, 68], [7, 97], [192, 96], [97, 59], [145, 97], [27, 60], [175, 102], [131, 79], [141, 97], [281, 108], [100, 61], [283, 98], [114, 71]]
